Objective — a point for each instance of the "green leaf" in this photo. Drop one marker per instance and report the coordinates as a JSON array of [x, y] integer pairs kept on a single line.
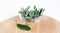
[[27, 8], [22, 9], [23, 27], [41, 11], [35, 9], [34, 14]]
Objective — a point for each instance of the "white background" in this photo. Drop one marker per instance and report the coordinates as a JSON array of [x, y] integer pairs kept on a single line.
[[10, 8]]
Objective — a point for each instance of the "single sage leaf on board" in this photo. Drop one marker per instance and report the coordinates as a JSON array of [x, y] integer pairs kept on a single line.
[[24, 27]]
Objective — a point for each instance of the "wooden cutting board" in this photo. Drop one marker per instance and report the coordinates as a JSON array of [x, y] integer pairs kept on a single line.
[[46, 25]]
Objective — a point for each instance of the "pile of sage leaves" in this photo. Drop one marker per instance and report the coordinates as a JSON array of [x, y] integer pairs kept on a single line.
[[26, 13]]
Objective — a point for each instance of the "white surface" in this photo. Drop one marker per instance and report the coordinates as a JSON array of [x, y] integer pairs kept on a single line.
[[10, 8]]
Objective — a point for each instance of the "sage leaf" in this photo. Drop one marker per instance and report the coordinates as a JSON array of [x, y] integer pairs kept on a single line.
[[41, 11], [27, 8], [23, 27]]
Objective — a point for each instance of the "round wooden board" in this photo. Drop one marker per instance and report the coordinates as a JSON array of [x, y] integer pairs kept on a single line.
[[46, 25]]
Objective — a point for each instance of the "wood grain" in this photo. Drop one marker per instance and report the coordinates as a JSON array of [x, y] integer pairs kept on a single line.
[[46, 25]]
